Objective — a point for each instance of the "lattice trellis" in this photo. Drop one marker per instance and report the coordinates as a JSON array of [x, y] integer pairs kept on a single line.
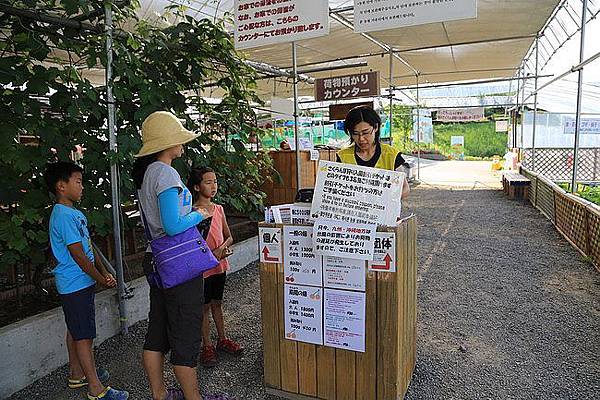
[[571, 220], [557, 164], [594, 235]]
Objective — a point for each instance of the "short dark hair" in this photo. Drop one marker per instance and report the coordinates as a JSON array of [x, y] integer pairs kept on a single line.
[[195, 178], [362, 114], [59, 172]]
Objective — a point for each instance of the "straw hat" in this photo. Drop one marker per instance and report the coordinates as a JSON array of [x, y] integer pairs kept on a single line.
[[162, 130]]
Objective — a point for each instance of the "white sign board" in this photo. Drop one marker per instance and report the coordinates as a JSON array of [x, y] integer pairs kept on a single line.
[[262, 22], [344, 313], [384, 258], [300, 215], [586, 126], [357, 194], [376, 15], [301, 265], [460, 114], [502, 125], [269, 245], [314, 155], [344, 273], [303, 312], [344, 239], [457, 140]]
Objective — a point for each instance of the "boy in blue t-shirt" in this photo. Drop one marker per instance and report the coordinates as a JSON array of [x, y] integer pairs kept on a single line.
[[76, 276]]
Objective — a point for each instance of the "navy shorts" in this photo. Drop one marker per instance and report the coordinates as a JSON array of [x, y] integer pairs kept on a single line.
[[214, 286], [80, 313]]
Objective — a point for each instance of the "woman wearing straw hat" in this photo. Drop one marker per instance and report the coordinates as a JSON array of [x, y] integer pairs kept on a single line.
[[175, 317]]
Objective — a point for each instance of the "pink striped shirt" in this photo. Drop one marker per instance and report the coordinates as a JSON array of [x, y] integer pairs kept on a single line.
[[215, 239]]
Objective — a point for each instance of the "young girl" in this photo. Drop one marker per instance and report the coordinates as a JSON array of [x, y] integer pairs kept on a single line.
[[203, 183]]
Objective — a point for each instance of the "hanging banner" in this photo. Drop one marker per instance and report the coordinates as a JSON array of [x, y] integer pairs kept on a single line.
[[384, 257], [376, 15], [301, 265], [262, 22], [344, 314], [460, 114], [347, 86], [357, 194], [344, 273], [269, 245], [587, 126], [344, 239], [303, 313]]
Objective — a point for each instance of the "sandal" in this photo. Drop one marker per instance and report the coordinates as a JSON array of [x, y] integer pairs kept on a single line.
[[175, 394], [102, 373], [110, 394]]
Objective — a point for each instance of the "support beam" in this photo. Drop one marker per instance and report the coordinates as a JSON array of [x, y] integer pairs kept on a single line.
[[579, 97]]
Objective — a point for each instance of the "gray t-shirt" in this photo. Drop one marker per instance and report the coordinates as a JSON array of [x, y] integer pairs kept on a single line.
[[158, 178]]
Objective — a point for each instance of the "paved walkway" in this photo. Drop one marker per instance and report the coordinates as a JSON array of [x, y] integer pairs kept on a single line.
[[458, 174], [507, 310]]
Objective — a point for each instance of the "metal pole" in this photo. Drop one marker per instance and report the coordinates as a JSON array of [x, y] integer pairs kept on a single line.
[[523, 109], [579, 97], [296, 130], [114, 173], [391, 92], [418, 133], [514, 124], [535, 82]]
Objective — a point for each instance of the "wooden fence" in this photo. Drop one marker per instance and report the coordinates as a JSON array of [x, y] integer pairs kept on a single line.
[[576, 219]]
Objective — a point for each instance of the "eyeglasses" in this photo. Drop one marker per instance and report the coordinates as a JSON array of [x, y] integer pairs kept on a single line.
[[357, 135]]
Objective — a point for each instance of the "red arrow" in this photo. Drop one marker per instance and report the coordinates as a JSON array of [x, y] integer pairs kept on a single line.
[[266, 257], [388, 261]]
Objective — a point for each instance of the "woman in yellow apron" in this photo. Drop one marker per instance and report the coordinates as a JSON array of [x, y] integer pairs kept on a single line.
[[363, 125]]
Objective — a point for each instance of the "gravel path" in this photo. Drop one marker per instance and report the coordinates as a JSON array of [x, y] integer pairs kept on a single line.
[[507, 310]]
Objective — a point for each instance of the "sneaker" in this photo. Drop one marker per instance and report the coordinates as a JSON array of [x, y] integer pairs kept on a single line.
[[102, 373], [175, 394], [208, 356], [229, 346], [110, 394]]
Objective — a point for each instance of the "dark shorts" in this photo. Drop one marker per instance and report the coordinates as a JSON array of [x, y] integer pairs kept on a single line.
[[214, 286], [80, 313], [175, 321]]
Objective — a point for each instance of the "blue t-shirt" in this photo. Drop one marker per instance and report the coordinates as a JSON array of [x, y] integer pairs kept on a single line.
[[68, 226]]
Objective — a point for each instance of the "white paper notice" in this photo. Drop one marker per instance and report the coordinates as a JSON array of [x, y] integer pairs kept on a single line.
[[343, 239], [300, 215], [357, 194], [258, 23], [384, 259], [377, 15], [269, 245], [302, 266], [344, 314], [314, 155], [303, 313], [344, 273]]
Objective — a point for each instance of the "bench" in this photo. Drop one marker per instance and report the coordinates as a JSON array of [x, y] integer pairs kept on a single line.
[[516, 186]]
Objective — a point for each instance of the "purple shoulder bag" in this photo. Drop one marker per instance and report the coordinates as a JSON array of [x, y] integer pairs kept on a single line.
[[179, 258]]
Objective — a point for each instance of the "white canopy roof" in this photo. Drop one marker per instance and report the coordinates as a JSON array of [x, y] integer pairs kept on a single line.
[[491, 45]]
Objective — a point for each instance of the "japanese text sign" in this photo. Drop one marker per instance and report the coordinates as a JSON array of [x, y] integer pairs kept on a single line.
[[460, 114], [343, 239], [357, 194], [301, 265], [376, 15], [269, 245], [263, 22], [345, 319], [384, 257], [586, 126], [303, 312], [347, 86]]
